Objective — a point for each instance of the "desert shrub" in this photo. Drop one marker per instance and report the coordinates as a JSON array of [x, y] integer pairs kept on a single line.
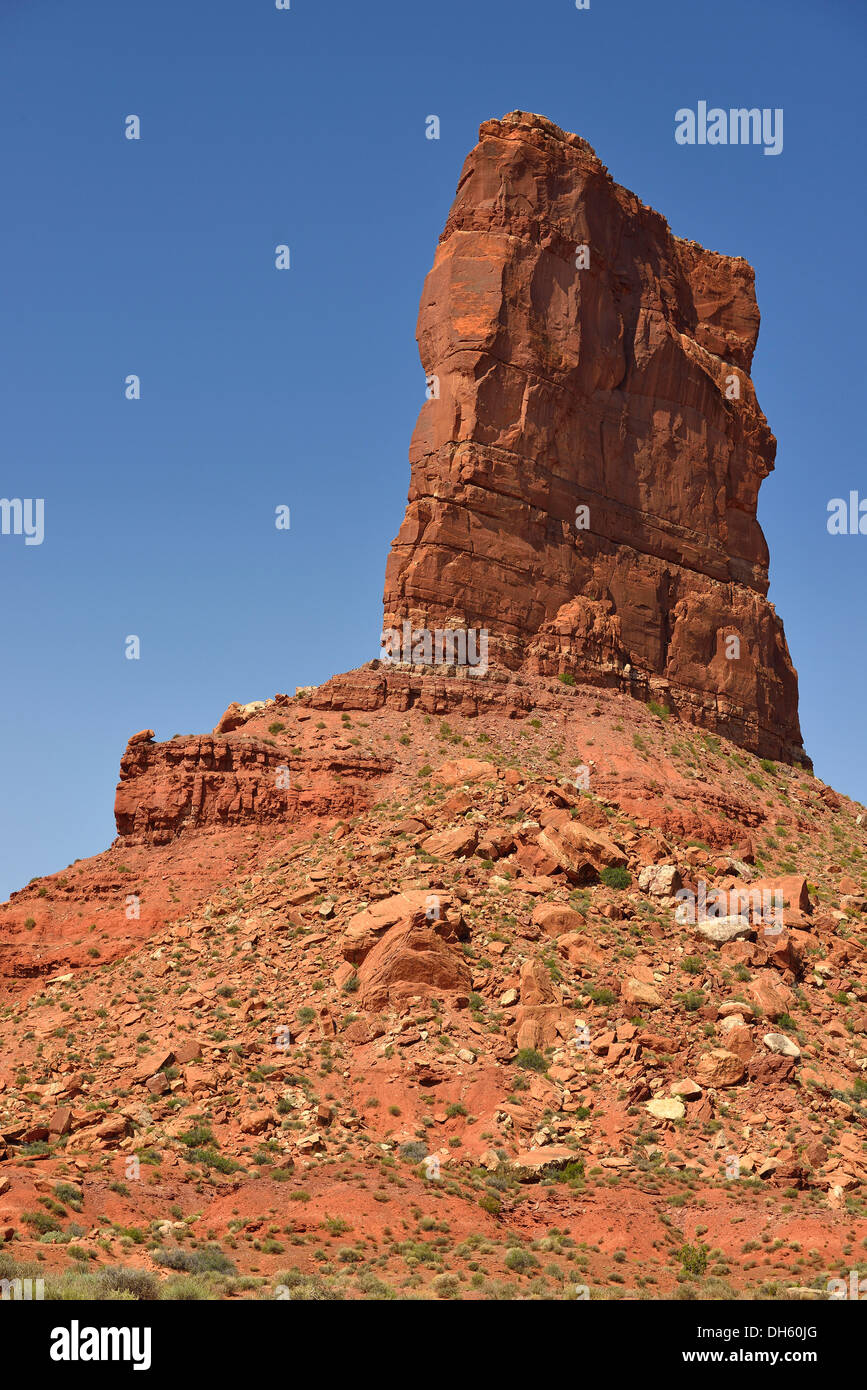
[[68, 1192], [602, 995], [208, 1258], [138, 1283], [188, 1289], [414, 1151], [521, 1261], [693, 1259], [307, 1287], [446, 1286], [197, 1136], [530, 1060], [573, 1172], [614, 877]]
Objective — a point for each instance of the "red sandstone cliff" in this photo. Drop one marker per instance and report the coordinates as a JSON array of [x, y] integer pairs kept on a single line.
[[622, 387], [229, 780]]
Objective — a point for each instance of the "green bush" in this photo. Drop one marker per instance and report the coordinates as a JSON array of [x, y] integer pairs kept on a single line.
[[530, 1059], [692, 1000], [187, 1289], [602, 995], [138, 1283], [693, 1258], [307, 1287], [68, 1192], [573, 1172], [197, 1136], [616, 877], [521, 1261], [414, 1151], [209, 1158], [446, 1286], [210, 1257]]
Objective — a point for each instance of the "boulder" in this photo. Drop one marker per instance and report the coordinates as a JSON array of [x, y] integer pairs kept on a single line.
[[639, 992], [721, 930], [411, 959], [537, 987], [660, 880], [541, 1026], [770, 994], [687, 1089], [459, 771], [770, 1069], [365, 928], [779, 1043], [666, 1108], [451, 844], [556, 920], [582, 852], [112, 1130], [719, 1068], [531, 1164]]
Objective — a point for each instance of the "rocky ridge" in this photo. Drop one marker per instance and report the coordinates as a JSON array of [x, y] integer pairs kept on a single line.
[[480, 974]]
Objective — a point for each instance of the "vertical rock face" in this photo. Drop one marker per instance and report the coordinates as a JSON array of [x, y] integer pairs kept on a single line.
[[584, 480]]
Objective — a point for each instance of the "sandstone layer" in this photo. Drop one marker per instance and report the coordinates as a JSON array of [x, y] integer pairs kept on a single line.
[[232, 780], [580, 356]]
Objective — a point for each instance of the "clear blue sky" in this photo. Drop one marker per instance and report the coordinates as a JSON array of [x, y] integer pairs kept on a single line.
[[259, 388]]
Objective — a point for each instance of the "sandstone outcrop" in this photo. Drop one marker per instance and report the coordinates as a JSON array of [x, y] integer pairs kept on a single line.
[[411, 960], [585, 474], [165, 788], [582, 852]]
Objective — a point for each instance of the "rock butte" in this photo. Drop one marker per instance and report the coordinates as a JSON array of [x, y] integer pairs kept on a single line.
[[605, 387], [320, 935], [558, 388]]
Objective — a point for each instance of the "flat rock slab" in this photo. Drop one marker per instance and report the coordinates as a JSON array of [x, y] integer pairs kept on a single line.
[[532, 1163]]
